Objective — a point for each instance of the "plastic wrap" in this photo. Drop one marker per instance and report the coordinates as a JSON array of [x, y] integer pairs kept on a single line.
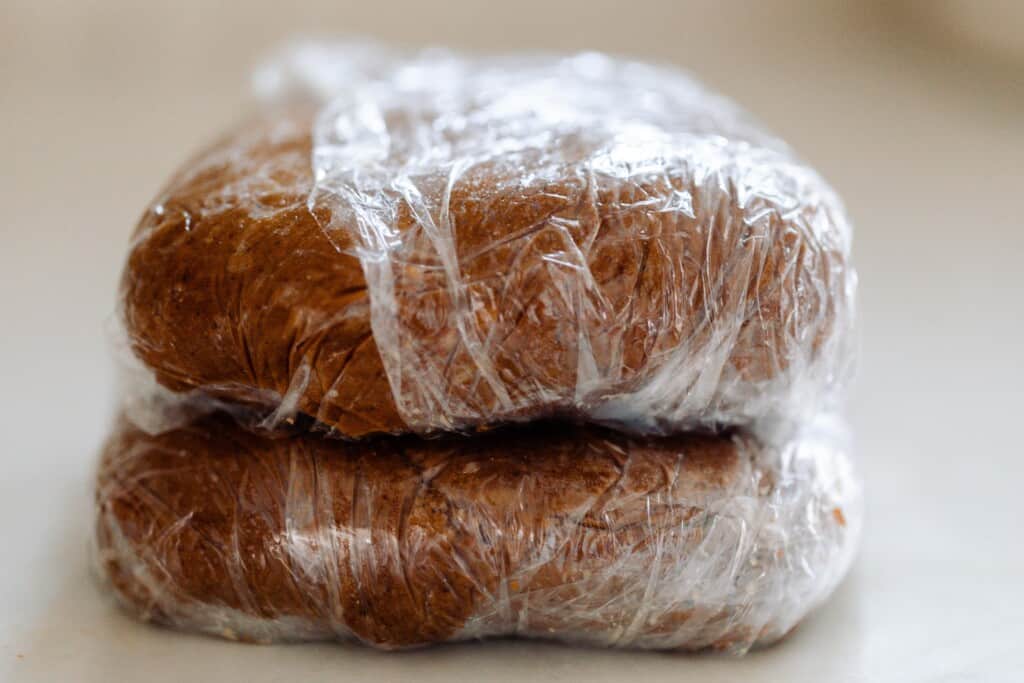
[[549, 531], [445, 243]]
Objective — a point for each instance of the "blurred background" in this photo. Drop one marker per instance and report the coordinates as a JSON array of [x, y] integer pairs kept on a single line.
[[913, 110]]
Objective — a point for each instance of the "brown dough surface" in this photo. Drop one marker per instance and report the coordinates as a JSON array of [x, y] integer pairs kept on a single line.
[[551, 531], [232, 287]]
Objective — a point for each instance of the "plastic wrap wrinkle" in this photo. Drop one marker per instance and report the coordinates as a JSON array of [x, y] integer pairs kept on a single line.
[[574, 534], [448, 243], [605, 142]]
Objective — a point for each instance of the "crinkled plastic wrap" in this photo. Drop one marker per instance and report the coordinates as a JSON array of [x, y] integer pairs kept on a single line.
[[548, 531], [436, 243]]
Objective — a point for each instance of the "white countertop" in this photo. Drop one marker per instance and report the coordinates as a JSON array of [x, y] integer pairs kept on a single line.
[[100, 101]]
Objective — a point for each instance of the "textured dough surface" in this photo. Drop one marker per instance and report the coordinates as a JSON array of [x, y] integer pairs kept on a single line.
[[550, 531], [451, 270]]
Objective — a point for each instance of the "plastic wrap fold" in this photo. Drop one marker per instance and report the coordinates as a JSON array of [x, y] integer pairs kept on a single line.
[[549, 531], [439, 242]]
